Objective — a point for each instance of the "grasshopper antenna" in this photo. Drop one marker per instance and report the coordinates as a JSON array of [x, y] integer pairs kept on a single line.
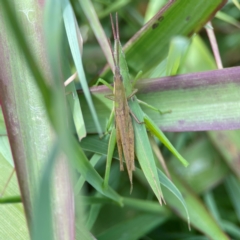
[[109, 42], [113, 28], [116, 40], [117, 37], [117, 28]]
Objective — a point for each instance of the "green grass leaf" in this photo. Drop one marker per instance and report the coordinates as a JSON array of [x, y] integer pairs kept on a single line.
[[133, 228], [206, 166], [175, 18], [97, 28], [177, 51], [5, 150], [144, 152], [233, 187], [12, 217], [201, 219], [76, 110], [228, 145], [73, 38], [172, 188], [227, 18], [159, 134], [149, 46], [2, 124]]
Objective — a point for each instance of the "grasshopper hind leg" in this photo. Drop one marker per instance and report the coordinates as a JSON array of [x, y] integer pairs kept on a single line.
[[120, 150]]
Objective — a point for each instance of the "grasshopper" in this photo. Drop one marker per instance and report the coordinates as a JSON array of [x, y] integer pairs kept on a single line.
[[127, 133], [123, 120]]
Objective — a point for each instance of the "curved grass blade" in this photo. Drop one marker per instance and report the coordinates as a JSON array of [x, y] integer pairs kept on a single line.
[[147, 206], [92, 17], [93, 161], [232, 185], [199, 58], [237, 4], [134, 228], [177, 50], [81, 163], [201, 219], [231, 228], [43, 211], [227, 18], [152, 8], [176, 18], [93, 214], [228, 145], [172, 188], [114, 7], [210, 168], [159, 134], [74, 105], [111, 147], [227, 226], [71, 30], [144, 152]]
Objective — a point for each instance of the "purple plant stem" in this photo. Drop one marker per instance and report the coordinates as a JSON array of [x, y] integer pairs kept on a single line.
[[214, 45]]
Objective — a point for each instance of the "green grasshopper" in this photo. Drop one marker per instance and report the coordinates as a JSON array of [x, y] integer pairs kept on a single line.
[[131, 137], [123, 121]]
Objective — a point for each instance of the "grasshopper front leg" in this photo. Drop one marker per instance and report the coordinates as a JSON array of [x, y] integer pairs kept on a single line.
[[153, 108], [100, 80], [146, 104], [120, 149]]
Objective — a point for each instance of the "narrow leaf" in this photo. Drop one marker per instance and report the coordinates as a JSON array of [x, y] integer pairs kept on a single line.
[[70, 26], [134, 228], [159, 134], [227, 18], [228, 145], [233, 187], [177, 51], [199, 215], [5, 150], [93, 161], [92, 17], [144, 151], [167, 183], [111, 147]]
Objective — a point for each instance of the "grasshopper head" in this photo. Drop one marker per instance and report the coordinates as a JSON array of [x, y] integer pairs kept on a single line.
[[115, 53]]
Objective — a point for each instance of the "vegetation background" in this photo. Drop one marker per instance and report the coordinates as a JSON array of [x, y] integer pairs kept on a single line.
[[34, 66]]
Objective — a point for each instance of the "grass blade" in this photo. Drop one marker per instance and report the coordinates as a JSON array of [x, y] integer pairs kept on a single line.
[[177, 50], [98, 30], [159, 134], [233, 187], [71, 30], [133, 228], [172, 188]]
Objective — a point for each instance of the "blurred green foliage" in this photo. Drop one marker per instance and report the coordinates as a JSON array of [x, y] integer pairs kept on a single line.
[[212, 182]]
